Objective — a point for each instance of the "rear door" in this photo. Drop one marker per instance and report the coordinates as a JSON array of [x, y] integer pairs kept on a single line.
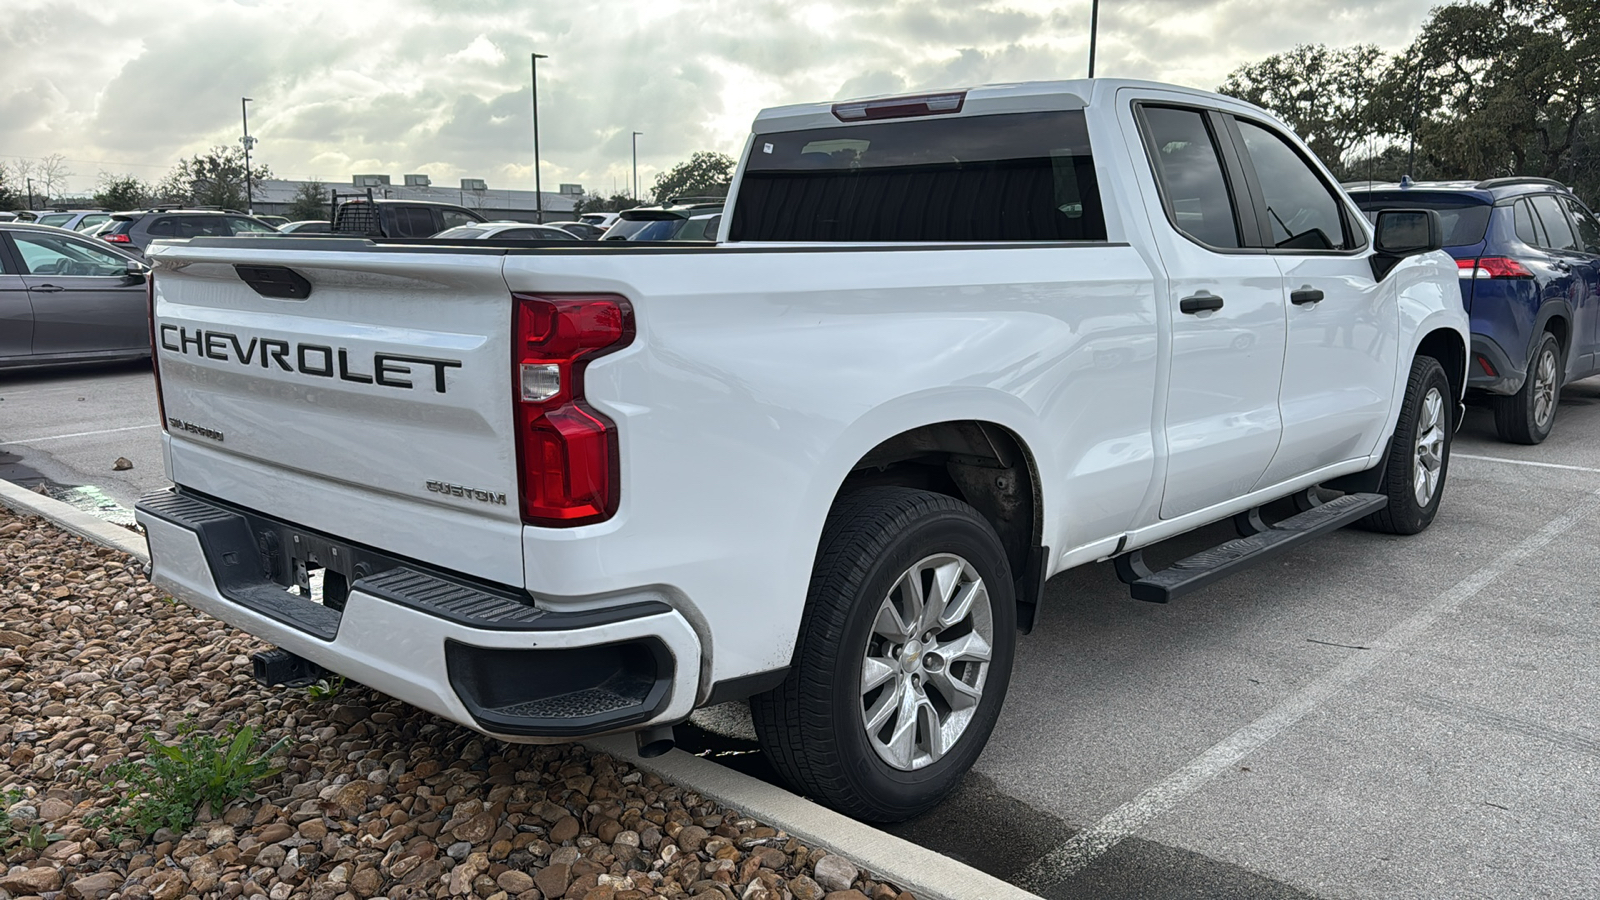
[[1589, 248], [83, 299], [16, 312], [1340, 360], [1226, 308]]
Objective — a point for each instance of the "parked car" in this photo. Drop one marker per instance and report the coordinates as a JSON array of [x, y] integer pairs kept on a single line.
[[307, 226], [583, 230], [134, 230], [74, 219], [957, 343], [1529, 258], [599, 219], [507, 231], [399, 218], [66, 298], [661, 223]]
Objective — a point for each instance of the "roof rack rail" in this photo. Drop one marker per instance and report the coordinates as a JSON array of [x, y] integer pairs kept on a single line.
[[1519, 179]]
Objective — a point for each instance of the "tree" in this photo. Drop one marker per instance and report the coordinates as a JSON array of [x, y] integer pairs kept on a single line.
[[52, 174], [213, 178], [1323, 94], [705, 174], [120, 192], [10, 196], [21, 170], [593, 203], [1497, 87], [310, 202]]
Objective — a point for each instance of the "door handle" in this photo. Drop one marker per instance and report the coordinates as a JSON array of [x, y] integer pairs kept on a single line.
[[1307, 294], [1200, 303], [47, 289]]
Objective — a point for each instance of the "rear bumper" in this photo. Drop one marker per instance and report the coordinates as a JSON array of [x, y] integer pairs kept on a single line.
[[1508, 375], [479, 655]]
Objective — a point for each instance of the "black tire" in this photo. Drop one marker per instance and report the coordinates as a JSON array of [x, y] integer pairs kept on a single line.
[[1517, 418], [1405, 514], [812, 726]]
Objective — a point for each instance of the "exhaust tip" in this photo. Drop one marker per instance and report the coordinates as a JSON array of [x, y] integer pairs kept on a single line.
[[655, 741]]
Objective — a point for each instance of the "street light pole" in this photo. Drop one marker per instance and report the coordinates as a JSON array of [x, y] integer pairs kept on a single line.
[[249, 194], [538, 189], [636, 164], [1094, 30]]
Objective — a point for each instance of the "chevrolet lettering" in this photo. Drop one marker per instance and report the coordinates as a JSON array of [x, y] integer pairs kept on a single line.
[[386, 369]]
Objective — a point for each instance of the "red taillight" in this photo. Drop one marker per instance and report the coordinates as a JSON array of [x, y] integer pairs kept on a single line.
[[116, 238], [1492, 267], [567, 457], [155, 348]]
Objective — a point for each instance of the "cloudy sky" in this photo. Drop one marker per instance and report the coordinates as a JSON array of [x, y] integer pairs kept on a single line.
[[399, 86]]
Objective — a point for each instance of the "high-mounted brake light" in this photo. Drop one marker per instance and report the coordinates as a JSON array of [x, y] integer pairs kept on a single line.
[[567, 458], [1492, 267], [901, 107]]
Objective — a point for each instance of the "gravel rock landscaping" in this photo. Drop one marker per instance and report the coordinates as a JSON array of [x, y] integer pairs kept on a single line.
[[374, 798]]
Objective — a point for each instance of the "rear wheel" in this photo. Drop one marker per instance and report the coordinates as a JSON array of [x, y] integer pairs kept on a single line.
[[903, 659], [1419, 454], [1527, 416]]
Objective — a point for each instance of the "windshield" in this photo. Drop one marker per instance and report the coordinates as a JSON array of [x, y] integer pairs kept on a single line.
[[625, 229], [1464, 223], [461, 231]]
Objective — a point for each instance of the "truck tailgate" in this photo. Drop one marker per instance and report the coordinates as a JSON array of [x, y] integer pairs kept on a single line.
[[376, 408]]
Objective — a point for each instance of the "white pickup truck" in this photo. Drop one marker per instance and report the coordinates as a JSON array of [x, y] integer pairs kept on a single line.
[[945, 346]]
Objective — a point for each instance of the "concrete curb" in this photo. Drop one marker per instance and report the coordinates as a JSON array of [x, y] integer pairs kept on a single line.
[[919, 870], [928, 875], [76, 521]]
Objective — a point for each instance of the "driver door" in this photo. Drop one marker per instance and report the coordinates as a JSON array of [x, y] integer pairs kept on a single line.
[[83, 298]]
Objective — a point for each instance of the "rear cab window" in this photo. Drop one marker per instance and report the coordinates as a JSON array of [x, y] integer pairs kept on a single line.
[[1465, 222], [1011, 177]]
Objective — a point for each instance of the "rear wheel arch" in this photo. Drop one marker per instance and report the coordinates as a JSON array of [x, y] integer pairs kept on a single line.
[[982, 463]]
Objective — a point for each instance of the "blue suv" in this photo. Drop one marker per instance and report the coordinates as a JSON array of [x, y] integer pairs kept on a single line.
[[1529, 258]]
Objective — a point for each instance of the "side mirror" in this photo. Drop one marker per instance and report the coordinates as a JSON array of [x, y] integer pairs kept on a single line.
[[1402, 233], [138, 272]]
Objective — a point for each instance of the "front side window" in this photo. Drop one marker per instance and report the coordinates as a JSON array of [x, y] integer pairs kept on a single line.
[[1554, 222], [1011, 177], [50, 255], [1189, 172], [456, 217], [241, 225], [1588, 227], [1302, 211]]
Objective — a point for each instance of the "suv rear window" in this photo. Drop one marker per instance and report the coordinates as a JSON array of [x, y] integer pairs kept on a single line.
[[1011, 177], [1464, 223]]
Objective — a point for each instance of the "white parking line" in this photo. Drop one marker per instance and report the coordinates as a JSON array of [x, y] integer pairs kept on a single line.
[[1089, 844], [1524, 462], [62, 437]]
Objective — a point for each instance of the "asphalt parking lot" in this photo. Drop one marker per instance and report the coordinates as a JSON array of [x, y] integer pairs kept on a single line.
[[1368, 716]]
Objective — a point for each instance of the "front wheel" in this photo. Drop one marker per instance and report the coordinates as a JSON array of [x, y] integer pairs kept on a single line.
[[1527, 416], [1419, 454], [903, 659]]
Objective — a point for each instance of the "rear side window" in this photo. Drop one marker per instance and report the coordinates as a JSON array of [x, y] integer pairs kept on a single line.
[[1189, 171], [1554, 222], [625, 229], [413, 222], [1527, 227], [162, 227], [661, 230], [1012, 177]]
